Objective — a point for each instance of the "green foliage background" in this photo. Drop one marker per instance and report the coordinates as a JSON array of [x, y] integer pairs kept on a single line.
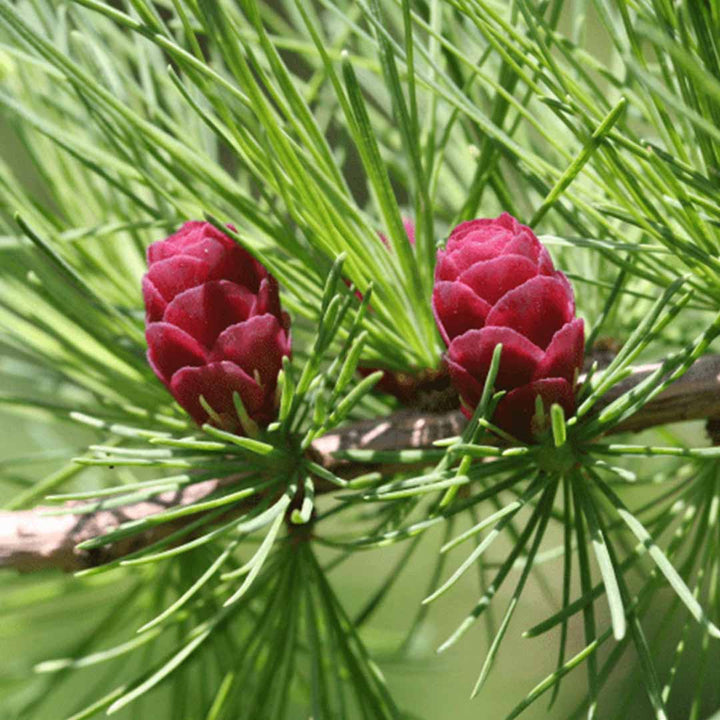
[[313, 127]]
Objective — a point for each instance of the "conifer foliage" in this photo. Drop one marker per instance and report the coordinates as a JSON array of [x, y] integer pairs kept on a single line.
[[289, 285]]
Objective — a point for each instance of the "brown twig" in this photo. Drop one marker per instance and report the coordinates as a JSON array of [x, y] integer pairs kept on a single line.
[[30, 540]]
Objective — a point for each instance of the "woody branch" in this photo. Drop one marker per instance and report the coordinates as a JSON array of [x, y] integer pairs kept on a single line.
[[30, 540]]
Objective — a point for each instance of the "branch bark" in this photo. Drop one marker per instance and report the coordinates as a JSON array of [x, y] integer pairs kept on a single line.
[[31, 541]]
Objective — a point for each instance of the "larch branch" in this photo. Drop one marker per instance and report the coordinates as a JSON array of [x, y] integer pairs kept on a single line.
[[31, 540]]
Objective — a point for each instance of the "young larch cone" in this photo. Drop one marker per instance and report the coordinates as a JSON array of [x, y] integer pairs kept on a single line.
[[495, 283], [214, 325]]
